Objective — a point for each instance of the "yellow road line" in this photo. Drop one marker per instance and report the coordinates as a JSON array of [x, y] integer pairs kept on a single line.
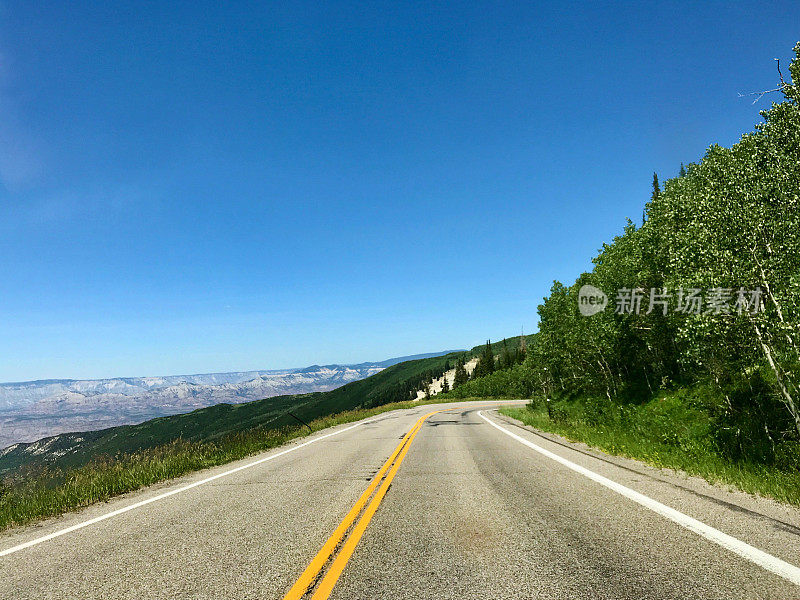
[[307, 577], [332, 576]]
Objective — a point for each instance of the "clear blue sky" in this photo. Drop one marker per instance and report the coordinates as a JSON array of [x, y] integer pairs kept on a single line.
[[197, 187]]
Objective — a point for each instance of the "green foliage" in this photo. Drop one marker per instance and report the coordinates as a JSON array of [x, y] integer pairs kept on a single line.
[[656, 188], [516, 382], [509, 356], [746, 423], [394, 384], [486, 362], [461, 376], [730, 221], [42, 490], [397, 383], [673, 430]]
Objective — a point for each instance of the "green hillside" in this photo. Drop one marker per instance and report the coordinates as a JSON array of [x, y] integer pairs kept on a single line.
[[71, 470], [393, 384], [694, 362]]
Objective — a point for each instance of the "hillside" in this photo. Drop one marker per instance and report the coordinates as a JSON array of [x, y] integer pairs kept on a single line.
[[84, 405], [32, 410], [692, 356], [207, 424]]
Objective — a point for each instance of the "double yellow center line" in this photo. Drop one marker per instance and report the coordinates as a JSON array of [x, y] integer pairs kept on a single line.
[[312, 572]]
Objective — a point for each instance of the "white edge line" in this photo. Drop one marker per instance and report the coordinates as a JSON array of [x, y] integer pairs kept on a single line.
[[125, 509], [754, 555]]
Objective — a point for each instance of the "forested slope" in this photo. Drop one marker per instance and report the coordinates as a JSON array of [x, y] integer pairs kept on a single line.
[[393, 384], [703, 294]]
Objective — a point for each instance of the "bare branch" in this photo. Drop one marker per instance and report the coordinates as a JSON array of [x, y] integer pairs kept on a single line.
[[760, 94], [783, 83], [780, 88]]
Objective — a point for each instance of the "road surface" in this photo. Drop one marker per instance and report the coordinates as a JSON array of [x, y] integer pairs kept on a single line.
[[475, 506]]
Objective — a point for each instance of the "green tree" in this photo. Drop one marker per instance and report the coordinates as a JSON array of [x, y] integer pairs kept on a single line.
[[461, 376], [656, 188], [486, 364], [506, 359], [729, 224]]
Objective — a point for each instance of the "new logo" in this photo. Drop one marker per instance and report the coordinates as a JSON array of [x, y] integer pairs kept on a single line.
[[591, 300]]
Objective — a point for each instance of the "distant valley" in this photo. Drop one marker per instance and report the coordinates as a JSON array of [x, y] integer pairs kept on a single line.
[[35, 409]]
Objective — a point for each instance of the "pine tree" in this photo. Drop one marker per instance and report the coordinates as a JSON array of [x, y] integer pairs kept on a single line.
[[461, 376], [477, 370], [445, 385], [485, 365], [521, 353], [506, 358], [682, 172], [656, 188]]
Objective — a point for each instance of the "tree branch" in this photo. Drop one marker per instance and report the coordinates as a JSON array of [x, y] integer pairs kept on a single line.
[[780, 88]]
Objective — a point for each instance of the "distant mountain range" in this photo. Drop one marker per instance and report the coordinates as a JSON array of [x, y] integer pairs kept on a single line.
[[35, 409]]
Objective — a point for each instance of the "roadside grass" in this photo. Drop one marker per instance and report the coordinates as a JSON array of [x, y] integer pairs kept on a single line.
[[33, 494], [670, 431]]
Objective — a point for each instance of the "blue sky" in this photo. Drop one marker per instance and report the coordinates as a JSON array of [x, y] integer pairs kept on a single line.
[[210, 187]]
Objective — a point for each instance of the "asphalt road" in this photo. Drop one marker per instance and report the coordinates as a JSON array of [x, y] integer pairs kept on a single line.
[[471, 512]]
